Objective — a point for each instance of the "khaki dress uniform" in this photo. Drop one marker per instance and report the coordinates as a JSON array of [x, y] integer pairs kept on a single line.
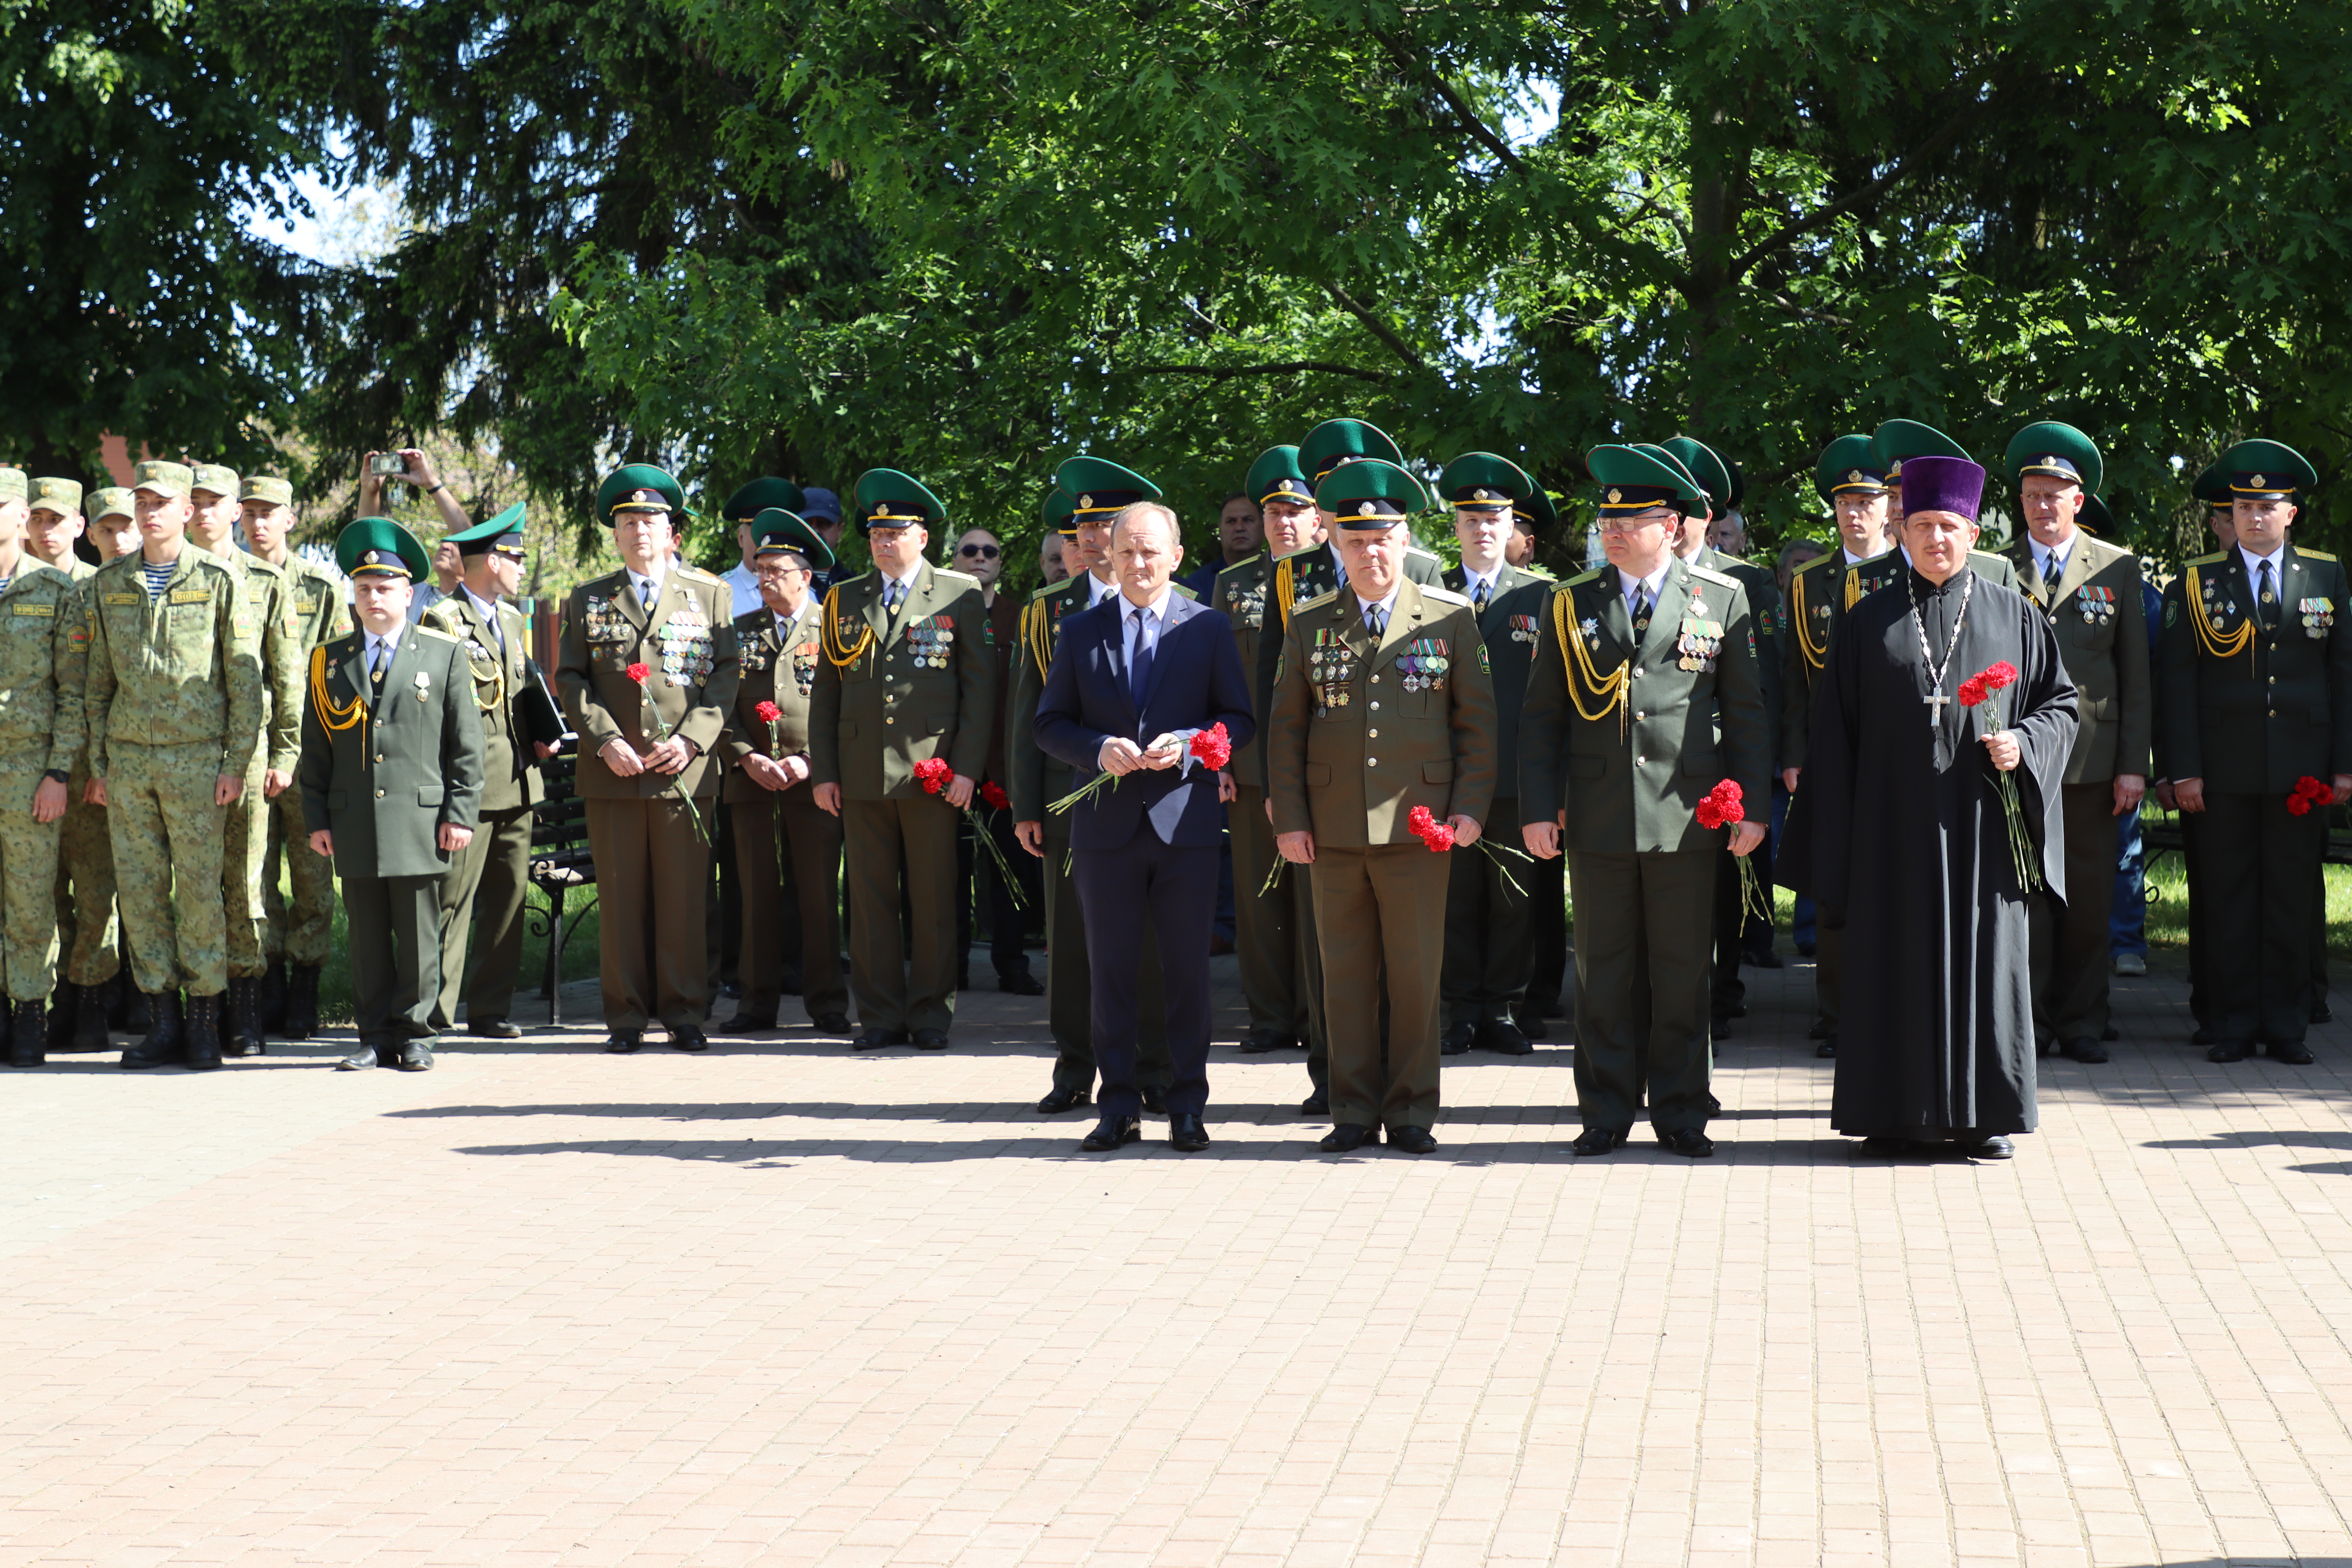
[[1366, 727], [40, 737], [482, 895], [893, 689], [650, 834], [299, 921], [780, 666]]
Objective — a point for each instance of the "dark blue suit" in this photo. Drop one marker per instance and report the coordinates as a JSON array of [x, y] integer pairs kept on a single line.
[[1144, 850]]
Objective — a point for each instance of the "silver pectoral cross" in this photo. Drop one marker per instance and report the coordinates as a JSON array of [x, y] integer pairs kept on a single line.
[[1936, 702]]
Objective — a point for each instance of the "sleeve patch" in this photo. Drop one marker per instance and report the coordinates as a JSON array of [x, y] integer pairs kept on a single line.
[[1486, 667]]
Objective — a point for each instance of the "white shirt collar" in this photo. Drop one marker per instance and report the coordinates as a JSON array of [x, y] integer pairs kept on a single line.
[[1097, 590], [638, 580], [1470, 579], [1387, 605], [1653, 582], [391, 641], [2277, 558], [2051, 559], [1157, 609], [1851, 560], [489, 607], [907, 582]]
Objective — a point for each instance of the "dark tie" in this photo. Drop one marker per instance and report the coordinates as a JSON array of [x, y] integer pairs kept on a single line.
[[1138, 668], [1480, 594], [1377, 618], [375, 670], [1641, 609], [646, 594], [890, 597], [2266, 591]]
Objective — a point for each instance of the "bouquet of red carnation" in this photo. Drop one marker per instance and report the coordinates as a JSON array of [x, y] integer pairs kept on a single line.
[[1213, 747], [642, 674], [1724, 807], [771, 715], [992, 796], [1981, 691], [1437, 835], [934, 774], [2308, 792]]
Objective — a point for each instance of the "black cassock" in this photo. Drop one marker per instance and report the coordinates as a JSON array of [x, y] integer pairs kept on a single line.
[[1904, 842]]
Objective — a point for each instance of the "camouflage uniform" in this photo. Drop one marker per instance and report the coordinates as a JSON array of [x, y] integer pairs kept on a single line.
[[175, 700], [302, 930], [85, 859], [40, 732]]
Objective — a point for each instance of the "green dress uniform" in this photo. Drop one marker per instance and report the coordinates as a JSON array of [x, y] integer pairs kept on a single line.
[[40, 738], [482, 897], [2093, 607], [1039, 780], [175, 701], [2256, 695], [1366, 725], [907, 675], [392, 751], [1629, 721], [774, 827]]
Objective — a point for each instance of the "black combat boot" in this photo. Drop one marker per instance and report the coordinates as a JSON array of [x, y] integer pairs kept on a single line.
[[29, 1035], [242, 1035], [64, 1008], [302, 1002], [89, 1020], [138, 1008], [166, 1043], [273, 998], [204, 1033]]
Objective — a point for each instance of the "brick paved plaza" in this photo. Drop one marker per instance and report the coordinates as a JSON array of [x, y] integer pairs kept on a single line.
[[782, 1305]]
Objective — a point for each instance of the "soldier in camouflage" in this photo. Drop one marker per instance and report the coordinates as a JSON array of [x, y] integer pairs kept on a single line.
[[270, 600], [297, 930], [91, 963], [40, 730], [175, 704]]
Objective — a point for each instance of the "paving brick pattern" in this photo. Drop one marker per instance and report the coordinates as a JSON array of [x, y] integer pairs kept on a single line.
[[785, 1305]]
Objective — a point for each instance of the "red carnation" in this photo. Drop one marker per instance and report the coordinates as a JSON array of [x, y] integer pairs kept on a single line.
[[1213, 747], [641, 673], [1973, 691], [2299, 804], [768, 711], [992, 796], [2313, 789], [933, 773], [1440, 838], [2000, 675], [1420, 821]]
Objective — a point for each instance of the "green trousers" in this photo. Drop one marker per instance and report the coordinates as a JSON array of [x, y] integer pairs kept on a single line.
[[890, 845], [299, 926], [1644, 934], [396, 955], [1373, 913], [481, 911], [1282, 970]]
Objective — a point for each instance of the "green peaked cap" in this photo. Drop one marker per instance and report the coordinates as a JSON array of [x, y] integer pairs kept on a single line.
[[2213, 486], [1702, 463], [1338, 441], [2095, 516], [776, 529], [1276, 476], [746, 504], [638, 484], [1634, 478], [1483, 479], [2055, 451], [1055, 513], [1101, 487], [379, 547], [483, 535], [1900, 439], [888, 497], [1850, 465], [2267, 471], [1369, 494], [1537, 507]]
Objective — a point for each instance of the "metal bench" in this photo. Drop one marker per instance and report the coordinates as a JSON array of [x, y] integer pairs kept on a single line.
[[561, 868]]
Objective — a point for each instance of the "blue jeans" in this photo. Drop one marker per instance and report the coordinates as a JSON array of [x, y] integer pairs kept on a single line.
[[2127, 921]]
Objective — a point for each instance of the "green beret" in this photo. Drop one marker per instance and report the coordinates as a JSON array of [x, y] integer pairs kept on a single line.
[[1850, 466], [639, 487], [2267, 471], [1634, 478], [893, 499], [1101, 487], [760, 495], [494, 533], [2055, 451], [267, 490], [1702, 463], [777, 531], [1370, 494], [1482, 480], [379, 547], [1338, 441], [1900, 439], [164, 479], [114, 500], [60, 496], [1276, 476], [1056, 512], [214, 478]]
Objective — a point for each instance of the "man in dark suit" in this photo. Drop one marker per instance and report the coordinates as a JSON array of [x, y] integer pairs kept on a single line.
[[1139, 676]]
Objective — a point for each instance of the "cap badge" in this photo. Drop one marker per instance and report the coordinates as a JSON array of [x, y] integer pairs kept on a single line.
[[2258, 481], [1085, 501], [1616, 496], [1853, 475]]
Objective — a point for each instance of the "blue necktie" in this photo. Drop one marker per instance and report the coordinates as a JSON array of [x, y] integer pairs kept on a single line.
[[1139, 667]]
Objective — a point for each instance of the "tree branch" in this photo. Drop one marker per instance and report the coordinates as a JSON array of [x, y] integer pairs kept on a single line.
[[1478, 129], [1377, 327], [1863, 194], [1294, 367]]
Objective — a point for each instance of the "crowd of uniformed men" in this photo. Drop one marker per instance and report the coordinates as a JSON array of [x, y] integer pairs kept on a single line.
[[180, 717]]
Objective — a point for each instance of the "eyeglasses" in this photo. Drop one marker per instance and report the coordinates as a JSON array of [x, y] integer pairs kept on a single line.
[[985, 552], [1640, 519]]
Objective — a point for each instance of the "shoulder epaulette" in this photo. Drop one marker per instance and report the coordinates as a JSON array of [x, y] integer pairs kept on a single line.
[[1443, 596], [424, 630], [1584, 577], [1416, 550], [696, 573], [256, 564], [1186, 592], [1819, 561], [1304, 549], [752, 615], [958, 576], [1250, 559], [606, 581], [1985, 555], [2213, 560], [2313, 554], [1050, 589], [1318, 601], [1721, 579]]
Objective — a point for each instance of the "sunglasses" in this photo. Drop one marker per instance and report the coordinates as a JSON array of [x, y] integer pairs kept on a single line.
[[985, 552]]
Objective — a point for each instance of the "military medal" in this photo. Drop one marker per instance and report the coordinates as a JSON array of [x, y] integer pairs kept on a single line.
[[424, 685]]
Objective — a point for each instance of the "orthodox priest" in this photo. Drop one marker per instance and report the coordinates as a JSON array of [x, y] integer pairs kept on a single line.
[[1911, 853]]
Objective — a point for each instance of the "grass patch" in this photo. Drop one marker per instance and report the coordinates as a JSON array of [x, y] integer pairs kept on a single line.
[[579, 959]]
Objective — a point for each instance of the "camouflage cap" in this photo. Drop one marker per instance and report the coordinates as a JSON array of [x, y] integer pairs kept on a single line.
[[60, 496], [12, 484], [114, 500], [266, 489], [164, 479], [214, 478]]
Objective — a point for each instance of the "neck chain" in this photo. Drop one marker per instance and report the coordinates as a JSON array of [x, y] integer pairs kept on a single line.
[[1935, 699]]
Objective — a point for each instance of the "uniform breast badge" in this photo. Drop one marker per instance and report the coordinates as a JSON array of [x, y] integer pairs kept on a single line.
[[2318, 615]]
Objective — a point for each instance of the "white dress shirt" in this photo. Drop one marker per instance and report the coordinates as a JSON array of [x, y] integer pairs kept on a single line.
[[639, 583], [1651, 585], [489, 611]]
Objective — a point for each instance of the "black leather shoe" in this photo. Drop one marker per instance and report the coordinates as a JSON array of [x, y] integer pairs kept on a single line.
[[744, 1024], [359, 1060], [2295, 1053], [1761, 957], [1155, 1099], [1529, 1025], [1346, 1138], [1457, 1038], [1600, 1141], [1807, 949], [830, 1024], [1258, 1045], [2084, 1048], [2226, 1051], [1688, 1141], [1062, 1099], [1186, 1134], [930, 1040], [2204, 1036], [1412, 1140], [2321, 1015], [1111, 1133], [494, 1029], [689, 1039], [2111, 1032], [1994, 1148], [1827, 1048], [622, 1042], [1819, 1031], [1319, 1103], [1727, 1011], [1503, 1038], [875, 1039], [1020, 982], [416, 1056], [1887, 1148]]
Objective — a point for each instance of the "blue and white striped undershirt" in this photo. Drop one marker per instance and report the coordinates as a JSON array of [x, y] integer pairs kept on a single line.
[[159, 576]]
